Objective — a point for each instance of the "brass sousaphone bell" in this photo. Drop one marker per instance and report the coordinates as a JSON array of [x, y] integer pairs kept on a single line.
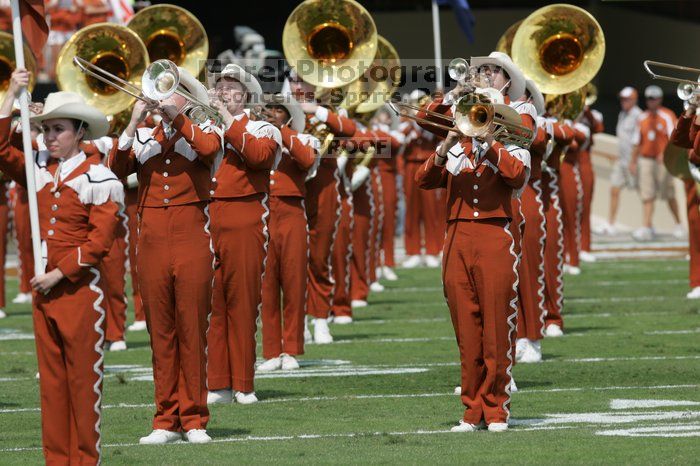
[[172, 33], [7, 63], [113, 48], [329, 43], [560, 47]]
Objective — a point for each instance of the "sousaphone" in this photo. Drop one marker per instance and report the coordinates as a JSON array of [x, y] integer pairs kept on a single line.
[[7, 63]]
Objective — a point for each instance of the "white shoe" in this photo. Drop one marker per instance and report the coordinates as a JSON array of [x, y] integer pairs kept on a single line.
[[160, 437], [342, 320], [643, 234], [119, 345], [389, 274], [571, 270], [498, 427], [586, 256], [198, 436], [412, 262], [137, 326], [466, 427], [308, 338], [601, 228], [679, 232], [513, 387], [458, 390], [521, 345], [432, 262], [357, 303], [532, 353], [246, 398], [376, 287], [2, 314], [289, 362], [553, 331], [37, 376], [219, 396], [322, 334], [694, 293], [22, 298], [272, 364]]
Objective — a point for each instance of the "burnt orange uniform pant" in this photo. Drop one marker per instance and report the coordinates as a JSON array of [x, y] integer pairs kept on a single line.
[[342, 258], [69, 338], [587, 183], [377, 224], [131, 210], [422, 208], [4, 228], [240, 233], [571, 198], [113, 269], [175, 275], [287, 262], [23, 233], [531, 289], [323, 212], [362, 239], [693, 206], [389, 206], [553, 250], [480, 279]]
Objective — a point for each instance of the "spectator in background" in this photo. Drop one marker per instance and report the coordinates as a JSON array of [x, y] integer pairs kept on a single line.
[[652, 134]]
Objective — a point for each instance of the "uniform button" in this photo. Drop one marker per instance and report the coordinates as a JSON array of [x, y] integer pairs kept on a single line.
[[272, 172], [54, 207], [166, 187], [167, 161], [53, 220], [211, 192], [50, 232], [476, 214], [272, 181], [476, 186], [213, 180], [478, 174], [56, 194], [167, 201], [165, 174], [476, 201]]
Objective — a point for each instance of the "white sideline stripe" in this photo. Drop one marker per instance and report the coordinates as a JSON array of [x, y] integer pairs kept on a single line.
[[672, 281], [273, 438], [664, 430], [397, 396], [636, 245], [617, 403]]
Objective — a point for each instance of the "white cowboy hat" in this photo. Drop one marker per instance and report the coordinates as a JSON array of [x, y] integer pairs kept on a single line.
[[193, 85], [65, 104], [293, 108], [536, 95], [517, 79], [237, 72]]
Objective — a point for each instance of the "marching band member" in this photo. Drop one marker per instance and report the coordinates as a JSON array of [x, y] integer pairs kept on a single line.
[[240, 213], [480, 276], [78, 202], [174, 255], [571, 197], [322, 206], [342, 254], [422, 207], [23, 236], [594, 120], [288, 253], [131, 202]]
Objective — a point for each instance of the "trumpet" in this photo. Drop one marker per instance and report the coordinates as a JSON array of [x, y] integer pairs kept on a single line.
[[477, 116], [160, 81]]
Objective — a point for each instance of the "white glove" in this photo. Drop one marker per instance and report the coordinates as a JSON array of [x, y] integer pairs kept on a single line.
[[359, 177], [132, 181]]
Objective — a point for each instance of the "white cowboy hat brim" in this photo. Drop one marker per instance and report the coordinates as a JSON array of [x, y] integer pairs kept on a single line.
[[517, 78], [192, 84], [293, 108], [508, 113], [250, 82], [97, 124], [536, 95]]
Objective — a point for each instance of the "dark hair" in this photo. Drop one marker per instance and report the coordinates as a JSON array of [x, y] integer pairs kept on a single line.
[[77, 124]]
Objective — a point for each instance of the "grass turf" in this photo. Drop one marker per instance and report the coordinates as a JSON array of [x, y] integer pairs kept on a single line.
[[383, 393]]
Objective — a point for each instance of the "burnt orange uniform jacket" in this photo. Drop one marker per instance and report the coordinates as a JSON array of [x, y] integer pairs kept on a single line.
[[174, 260], [323, 211], [480, 268], [240, 214], [287, 257], [78, 203]]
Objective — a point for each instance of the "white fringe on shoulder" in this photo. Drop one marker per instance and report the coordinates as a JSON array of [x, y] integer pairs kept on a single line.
[[97, 186]]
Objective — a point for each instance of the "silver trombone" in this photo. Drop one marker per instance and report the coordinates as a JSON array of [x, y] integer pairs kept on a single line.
[[687, 88], [160, 81]]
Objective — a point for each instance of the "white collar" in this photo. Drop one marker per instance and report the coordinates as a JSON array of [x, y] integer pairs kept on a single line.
[[66, 167]]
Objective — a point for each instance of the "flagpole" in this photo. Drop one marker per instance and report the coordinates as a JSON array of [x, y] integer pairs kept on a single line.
[[27, 143], [437, 45]]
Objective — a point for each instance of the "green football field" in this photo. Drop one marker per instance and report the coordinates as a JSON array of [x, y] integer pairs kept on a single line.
[[621, 387]]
